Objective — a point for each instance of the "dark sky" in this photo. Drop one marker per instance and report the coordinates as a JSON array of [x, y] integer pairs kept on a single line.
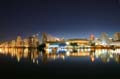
[[62, 18]]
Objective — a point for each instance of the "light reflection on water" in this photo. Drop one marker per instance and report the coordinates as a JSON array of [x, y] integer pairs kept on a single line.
[[105, 55]]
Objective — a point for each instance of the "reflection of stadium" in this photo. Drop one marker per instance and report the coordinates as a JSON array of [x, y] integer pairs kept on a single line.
[[35, 56], [116, 57]]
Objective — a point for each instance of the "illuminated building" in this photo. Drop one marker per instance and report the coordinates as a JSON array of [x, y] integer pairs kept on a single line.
[[92, 40], [97, 41], [30, 41], [26, 42], [6, 44], [115, 43], [104, 39], [56, 47], [79, 42], [110, 40], [13, 43], [33, 41], [19, 42], [116, 36], [92, 37]]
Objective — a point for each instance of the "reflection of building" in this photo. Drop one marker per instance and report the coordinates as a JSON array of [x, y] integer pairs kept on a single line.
[[105, 57], [44, 58], [116, 57], [34, 56], [80, 54], [20, 53], [116, 36], [103, 54]]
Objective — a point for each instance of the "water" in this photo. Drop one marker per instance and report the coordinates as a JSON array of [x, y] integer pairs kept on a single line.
[[86, 63]]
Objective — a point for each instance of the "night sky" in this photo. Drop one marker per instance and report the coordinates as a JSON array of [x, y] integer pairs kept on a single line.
[[61, 18]]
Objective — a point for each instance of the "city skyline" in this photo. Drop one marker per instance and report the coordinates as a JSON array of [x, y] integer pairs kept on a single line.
[[36, 40], [69, 36]]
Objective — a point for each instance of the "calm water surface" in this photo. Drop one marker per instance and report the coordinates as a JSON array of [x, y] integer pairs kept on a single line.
[[86, 63]]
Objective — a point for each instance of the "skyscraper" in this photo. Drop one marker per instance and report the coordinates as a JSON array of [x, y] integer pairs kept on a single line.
[[19, 42], [116, 36], [104, 39], [92, 37]]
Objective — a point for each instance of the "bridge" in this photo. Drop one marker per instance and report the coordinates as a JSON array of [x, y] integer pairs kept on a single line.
[[49, 38]]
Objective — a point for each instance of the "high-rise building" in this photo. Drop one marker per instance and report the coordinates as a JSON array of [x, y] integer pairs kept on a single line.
[[33, 41], [26, 42], [13, 43], [19, 42], [104, 39], [116, 36], [92, 37]]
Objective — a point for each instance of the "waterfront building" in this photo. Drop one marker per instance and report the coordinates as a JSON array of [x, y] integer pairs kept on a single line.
[[110, 40], [2, 44], [33, 41], [26, 42], [6, 44], [78, 42], [92, 37], [30, 41], [13, 43], [92, 40], [115, 43], [116, 36], [19, 42], [104, 39], [56, 47]]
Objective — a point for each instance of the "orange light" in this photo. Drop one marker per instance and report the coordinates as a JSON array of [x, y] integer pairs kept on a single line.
[[92, 59]]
